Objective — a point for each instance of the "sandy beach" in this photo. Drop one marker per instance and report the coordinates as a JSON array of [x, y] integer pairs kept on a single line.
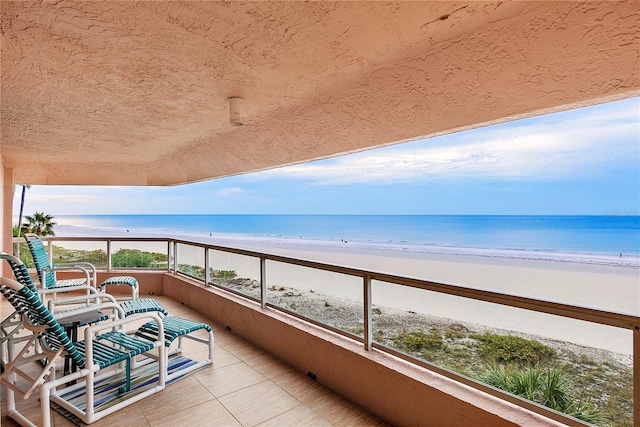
[[597, 281], [615, 288]]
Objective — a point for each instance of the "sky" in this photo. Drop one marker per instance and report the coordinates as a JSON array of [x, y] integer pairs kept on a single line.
[[578, 162]]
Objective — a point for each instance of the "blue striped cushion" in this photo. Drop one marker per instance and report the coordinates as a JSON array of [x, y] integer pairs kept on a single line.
[[174, 327], [120, 280], [142, 305]]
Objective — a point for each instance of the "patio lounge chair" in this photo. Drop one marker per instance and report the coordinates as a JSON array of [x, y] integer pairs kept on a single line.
[[104, 345], [11, 326], [47, 272], [173, 329]]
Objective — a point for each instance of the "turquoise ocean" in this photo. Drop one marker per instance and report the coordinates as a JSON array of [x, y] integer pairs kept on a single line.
[[613, 235]]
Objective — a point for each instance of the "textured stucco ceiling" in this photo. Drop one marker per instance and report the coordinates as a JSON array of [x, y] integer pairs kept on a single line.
[[136, 93]]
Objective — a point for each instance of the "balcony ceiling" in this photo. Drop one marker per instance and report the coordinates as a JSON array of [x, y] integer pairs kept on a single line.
[[136, 93]]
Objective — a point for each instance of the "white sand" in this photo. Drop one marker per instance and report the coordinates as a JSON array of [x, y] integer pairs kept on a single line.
[[597, 281]]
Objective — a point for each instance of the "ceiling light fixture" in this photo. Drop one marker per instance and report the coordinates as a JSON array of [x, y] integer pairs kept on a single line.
[[235, 111]]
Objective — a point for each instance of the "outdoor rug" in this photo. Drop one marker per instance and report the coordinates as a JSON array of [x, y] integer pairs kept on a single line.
[[106, 390]]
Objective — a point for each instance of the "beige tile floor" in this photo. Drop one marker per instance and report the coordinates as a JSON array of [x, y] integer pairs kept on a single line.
[[244, 387]]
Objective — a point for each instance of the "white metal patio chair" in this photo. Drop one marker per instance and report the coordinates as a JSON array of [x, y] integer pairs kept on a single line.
[[104, 345], [11, 326], [47, 272]]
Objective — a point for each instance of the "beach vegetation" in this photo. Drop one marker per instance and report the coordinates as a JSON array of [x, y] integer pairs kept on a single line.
[[131, 258], [455, 331], [124, 258], [224, 274], [550, 387], [614, 384], [358, 330], [419, 341], [191, 270], [512, 349], [596, 390], [62, 255]]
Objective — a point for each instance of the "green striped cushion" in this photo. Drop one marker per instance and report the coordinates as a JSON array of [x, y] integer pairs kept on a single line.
[[174, 327], [142, 305], [41, 260], [106, 355], [120, 280]]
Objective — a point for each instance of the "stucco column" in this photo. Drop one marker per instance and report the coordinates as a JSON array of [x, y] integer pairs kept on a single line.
[[7, 213]]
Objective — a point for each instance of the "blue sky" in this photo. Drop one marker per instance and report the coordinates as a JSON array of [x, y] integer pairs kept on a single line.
[[582, 162]]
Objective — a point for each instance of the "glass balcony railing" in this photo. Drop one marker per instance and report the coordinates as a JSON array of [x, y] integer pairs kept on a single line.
[[190, 260], [572, 363], [328, 298], [235, 272]]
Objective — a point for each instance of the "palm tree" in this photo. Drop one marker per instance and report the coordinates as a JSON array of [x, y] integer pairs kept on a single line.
[[40, 224], [24, 191]]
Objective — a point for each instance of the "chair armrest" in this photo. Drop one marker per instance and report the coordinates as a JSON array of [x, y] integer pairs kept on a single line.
[[83, 265], [68, 268], [91, 289], [97, 298], [61, 316]]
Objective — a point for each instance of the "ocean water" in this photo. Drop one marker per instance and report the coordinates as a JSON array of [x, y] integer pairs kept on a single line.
[[608, 235]]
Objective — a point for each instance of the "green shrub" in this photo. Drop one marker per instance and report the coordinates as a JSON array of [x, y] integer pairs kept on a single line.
[[223, 274], [512, 349], [549, 387], [131, 258], [61, 255], [191, 270], [418, 341], [456, 331], [138, 258]]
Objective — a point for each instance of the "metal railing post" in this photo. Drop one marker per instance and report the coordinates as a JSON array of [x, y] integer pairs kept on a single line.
[[263, 282], [207, 272], [109, 260], [50, 251], [368, 320], [175, 257], [636, 376]]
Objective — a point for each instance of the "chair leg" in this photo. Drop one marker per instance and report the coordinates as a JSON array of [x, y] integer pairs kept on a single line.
[[12, 411], [89, 410], [45, 406], [9, 330], [127, 378], [11, 395]]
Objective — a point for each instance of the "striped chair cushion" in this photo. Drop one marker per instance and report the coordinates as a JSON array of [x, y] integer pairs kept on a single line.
[[119, 280], [174, 327]]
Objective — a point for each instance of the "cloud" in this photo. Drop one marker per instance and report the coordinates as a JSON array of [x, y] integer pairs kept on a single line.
[[230, 191], [48, 198], [559, 146]]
